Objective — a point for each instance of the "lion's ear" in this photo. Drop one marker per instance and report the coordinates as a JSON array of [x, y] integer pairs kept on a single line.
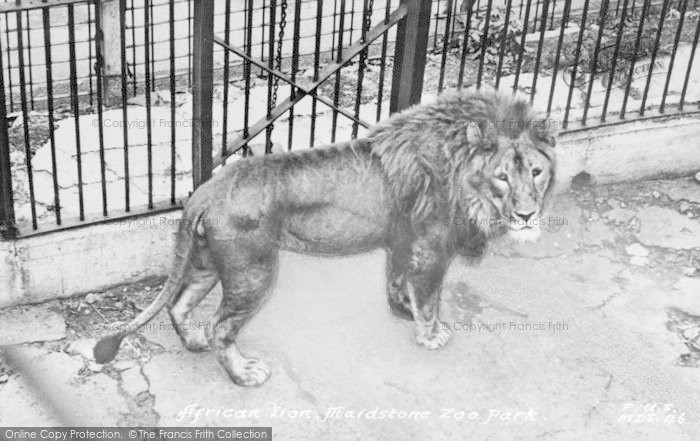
[[545, 130], [482, 134], [473, 132]]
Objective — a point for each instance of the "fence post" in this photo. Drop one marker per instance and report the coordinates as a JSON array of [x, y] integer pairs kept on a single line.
[[409, 55], [8, 230], [202, 90], [110, 45]]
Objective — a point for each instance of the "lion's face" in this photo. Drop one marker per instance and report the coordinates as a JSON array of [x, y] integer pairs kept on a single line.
[[519, 175]]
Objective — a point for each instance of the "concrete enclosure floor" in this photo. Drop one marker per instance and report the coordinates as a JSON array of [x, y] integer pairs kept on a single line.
[[592, 333]]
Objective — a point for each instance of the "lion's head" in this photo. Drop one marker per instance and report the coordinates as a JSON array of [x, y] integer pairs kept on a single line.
[[483, 160], [516, 176]]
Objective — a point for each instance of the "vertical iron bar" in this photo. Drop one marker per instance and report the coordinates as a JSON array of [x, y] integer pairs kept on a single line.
[[75, 107], [522, 46], [577, 57], [8, 229], [690, 65], [25, 117], [99, 63], [596, 52], [227, 38], [673, 54], [352, 19], [484, 44], [654, 51], [262, 36], [445, 45], [171, 12], [29, 55], [153, 57], [90, 57], [645, 6], [333, 31], [246, 71], [382, 64], [190, 43], [613, 66], [551, 19], [9, 62], [501, 51], [270, 78], [366, 23], [543, 28], [537, 14], [49, 104], [409, 55], [317, 58], [453, 12], [465, 45], [133, 47], [147, 91], [339, 56], [203, 83], [437, 23], [555, 70], [295, 66], [124, 75]]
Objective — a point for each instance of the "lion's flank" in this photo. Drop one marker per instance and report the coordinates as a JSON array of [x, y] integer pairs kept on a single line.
[[424, 149]]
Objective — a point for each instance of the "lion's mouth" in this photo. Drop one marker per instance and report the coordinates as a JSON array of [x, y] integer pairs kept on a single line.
[[525, 233], [517, 224]]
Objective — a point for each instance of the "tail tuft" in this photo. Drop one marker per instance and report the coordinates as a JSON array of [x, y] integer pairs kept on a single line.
[[106, 349]]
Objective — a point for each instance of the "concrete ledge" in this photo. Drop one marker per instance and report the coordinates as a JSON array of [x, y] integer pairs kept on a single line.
[[631, 151], [81, 260], [96, 257]]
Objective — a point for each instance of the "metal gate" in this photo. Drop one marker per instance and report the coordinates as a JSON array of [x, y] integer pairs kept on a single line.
[[412, 18]]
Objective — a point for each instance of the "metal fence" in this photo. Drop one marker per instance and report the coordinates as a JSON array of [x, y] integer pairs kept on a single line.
[[105, 101]]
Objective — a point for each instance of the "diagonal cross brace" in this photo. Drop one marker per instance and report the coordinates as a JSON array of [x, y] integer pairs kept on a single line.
[[302, 87], [326, 73]]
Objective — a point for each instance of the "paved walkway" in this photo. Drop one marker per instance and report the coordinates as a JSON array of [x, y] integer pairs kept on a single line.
[[578, 336]]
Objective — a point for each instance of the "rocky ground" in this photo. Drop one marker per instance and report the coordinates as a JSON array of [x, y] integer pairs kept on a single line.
[[591, 333]]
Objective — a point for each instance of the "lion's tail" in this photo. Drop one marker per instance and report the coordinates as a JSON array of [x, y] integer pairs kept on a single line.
[[107, 347]]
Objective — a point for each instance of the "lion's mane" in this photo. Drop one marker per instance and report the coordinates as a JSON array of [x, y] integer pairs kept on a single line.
[[433, 155]]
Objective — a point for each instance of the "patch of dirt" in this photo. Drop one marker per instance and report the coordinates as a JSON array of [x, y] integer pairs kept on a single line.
[[687, 326], [87, 316], [595, 201]]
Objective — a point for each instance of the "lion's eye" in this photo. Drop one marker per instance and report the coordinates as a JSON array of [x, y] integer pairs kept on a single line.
[[502, 176], [536, 171]]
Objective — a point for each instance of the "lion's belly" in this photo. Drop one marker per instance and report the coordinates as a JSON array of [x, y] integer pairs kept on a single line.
[[335, 229]]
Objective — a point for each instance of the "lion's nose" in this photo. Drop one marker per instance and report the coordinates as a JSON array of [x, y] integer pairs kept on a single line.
[[524, 216]]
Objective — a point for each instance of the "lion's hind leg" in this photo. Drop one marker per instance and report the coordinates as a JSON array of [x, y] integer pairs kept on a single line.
[[246, 278], [198, 283]]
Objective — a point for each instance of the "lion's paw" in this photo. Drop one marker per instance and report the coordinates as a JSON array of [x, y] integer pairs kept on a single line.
[[196, 342], [251, 373], [435, 339]]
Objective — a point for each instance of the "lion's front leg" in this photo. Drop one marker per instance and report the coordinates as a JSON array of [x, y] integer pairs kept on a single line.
[[426, 268]]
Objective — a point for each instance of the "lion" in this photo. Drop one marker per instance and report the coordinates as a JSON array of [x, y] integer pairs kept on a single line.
[[428, 184]]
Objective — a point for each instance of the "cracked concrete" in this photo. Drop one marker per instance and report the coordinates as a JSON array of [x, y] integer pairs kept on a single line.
[[564, 339]]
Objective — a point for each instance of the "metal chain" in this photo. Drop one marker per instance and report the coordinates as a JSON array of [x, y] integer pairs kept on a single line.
[[278, 56], [368, 18], [365, 29], [367, 22]]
